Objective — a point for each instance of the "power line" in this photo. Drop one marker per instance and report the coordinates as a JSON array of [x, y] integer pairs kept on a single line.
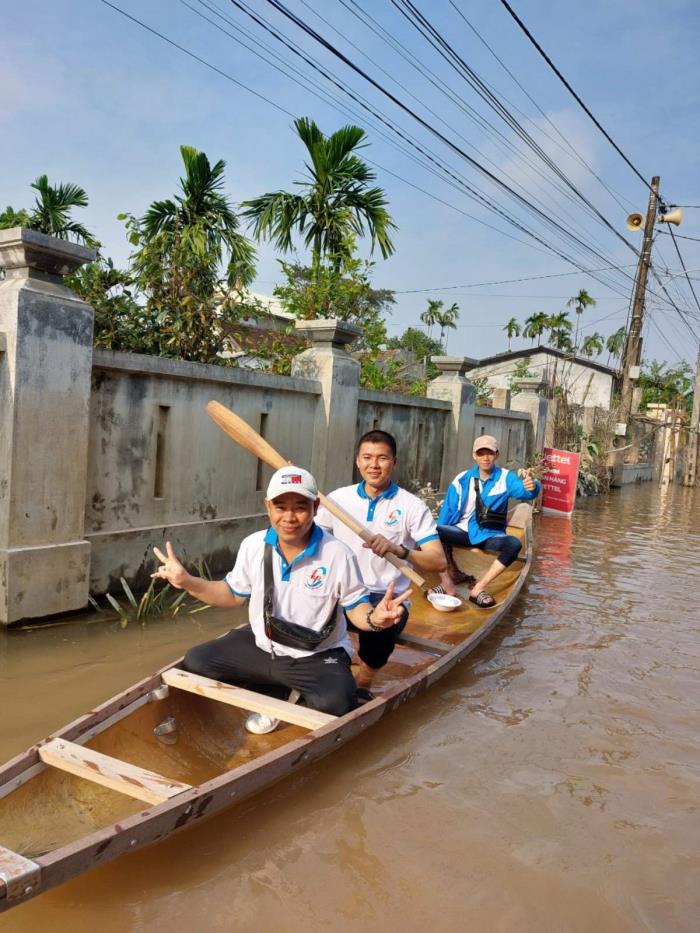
[[571, 148], [502, 185], [201, 61], [529, 278], [680, 257], [573, 93], [680, 236]]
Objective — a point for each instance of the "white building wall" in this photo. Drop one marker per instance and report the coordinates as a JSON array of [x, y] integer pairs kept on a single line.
[[587, 386]]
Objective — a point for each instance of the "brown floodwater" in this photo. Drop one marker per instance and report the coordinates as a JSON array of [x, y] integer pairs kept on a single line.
[[549, 783]]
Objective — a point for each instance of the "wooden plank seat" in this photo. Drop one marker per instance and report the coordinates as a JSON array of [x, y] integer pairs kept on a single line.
[[110, 772], [247, 699]]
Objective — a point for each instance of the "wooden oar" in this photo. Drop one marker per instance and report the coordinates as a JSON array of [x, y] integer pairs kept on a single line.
[[244, 435]]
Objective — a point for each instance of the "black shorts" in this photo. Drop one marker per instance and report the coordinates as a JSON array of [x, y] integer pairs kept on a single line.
[[376, 647]]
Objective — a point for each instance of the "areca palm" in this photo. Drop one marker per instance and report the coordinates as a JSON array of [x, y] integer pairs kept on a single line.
[[52, 209], [447, 321], [579, 303], [594, 343], [535, 325], [430, 316], [616, 342], [336, 203], [201, 220], [512, 329]]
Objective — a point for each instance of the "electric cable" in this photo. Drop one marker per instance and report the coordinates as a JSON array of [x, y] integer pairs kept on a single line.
[[573, 93]]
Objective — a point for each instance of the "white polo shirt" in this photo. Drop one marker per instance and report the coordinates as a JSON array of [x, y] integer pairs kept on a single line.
[[396, 513], [325, 573]]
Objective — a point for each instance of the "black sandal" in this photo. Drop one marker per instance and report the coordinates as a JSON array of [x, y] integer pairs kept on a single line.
[[484, 600]]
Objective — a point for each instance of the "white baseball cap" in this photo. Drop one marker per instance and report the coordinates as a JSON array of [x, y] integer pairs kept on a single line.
[[292, 479]]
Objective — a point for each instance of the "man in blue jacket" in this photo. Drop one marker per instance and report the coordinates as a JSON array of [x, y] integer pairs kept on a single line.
[[474, 514]]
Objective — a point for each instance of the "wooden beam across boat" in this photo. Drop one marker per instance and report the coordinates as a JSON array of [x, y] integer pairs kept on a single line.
[[110, 772], [247, 699]]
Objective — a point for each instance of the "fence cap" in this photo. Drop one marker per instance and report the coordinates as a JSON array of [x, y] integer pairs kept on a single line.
[[22, 249], [329, 332], [454, 364]]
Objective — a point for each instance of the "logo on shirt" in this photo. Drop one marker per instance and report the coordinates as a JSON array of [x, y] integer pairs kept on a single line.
[[393, 518], [316, 578]]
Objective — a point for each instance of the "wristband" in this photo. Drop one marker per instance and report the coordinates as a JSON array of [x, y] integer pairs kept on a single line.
[[372, 626], [406, 552]]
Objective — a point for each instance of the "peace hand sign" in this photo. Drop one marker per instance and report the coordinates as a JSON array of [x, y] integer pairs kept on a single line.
[[171, 569], [388, 612]]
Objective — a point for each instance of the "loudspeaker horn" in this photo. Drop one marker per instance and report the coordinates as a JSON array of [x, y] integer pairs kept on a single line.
[[672, 217], [634, 222]]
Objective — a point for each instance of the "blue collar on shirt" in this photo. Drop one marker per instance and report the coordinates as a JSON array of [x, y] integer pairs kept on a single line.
[[388, 493], [495, 473], [271, 537]]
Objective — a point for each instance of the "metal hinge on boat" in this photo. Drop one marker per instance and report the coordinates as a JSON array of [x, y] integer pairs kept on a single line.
[[19, 876]]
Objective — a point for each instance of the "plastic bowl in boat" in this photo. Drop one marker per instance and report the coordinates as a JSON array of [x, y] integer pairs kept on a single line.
[[443, 602]]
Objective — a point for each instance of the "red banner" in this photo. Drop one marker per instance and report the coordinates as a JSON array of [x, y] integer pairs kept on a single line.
[[559, 475]]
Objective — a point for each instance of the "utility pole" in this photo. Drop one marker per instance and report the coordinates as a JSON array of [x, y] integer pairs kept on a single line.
[[633, 346], [691, 471]]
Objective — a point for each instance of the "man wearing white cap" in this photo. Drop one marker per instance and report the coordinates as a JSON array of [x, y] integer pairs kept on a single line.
[[299, 579], [475, 514]]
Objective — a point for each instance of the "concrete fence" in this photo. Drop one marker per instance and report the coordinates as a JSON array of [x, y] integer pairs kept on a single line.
[[104, 454]]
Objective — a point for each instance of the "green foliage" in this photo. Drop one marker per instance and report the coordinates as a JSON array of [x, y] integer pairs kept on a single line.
[[11, 218], [337, 203], [616, 342], [189, 266], [483, 390], [421, 346], [121, 323], [666, 385], [512, 329], [535, 325], [198, 223], [52, 212], [152, 603], [594, 343], [521, 371], [343, 293]]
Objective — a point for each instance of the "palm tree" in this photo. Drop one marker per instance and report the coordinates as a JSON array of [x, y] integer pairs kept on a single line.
[[201, 220], [430, 316], [52, 209], [580, 302], [512, 329], [615, 343], [535, 325], [12, 218], [447, 320], [594, 343], [559, 326], [336, 204]]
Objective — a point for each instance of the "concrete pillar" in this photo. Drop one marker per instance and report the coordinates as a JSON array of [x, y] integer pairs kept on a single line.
[[500, 398], [452, 386], [529, 400], [328, 361], [45, 372]]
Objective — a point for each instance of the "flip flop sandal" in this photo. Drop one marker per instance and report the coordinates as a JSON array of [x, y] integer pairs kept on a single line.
[[437, 591], [483, 600]]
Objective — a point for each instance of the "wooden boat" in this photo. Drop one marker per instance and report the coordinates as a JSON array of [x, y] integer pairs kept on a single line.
[[105, 784]]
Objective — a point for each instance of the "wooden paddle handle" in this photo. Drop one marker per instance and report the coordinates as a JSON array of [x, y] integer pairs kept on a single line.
[[244, 435]]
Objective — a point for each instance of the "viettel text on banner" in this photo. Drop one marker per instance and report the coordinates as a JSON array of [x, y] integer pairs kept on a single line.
[[559, 476]]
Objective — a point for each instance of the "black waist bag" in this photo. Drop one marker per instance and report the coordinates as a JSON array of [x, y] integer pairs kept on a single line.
[[289, 633], [486, 517]]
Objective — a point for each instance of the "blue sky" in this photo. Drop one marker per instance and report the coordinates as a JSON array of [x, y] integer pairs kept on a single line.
[[90, 97]]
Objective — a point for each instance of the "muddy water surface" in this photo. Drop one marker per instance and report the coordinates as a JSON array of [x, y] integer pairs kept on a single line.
[[551, 783]]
